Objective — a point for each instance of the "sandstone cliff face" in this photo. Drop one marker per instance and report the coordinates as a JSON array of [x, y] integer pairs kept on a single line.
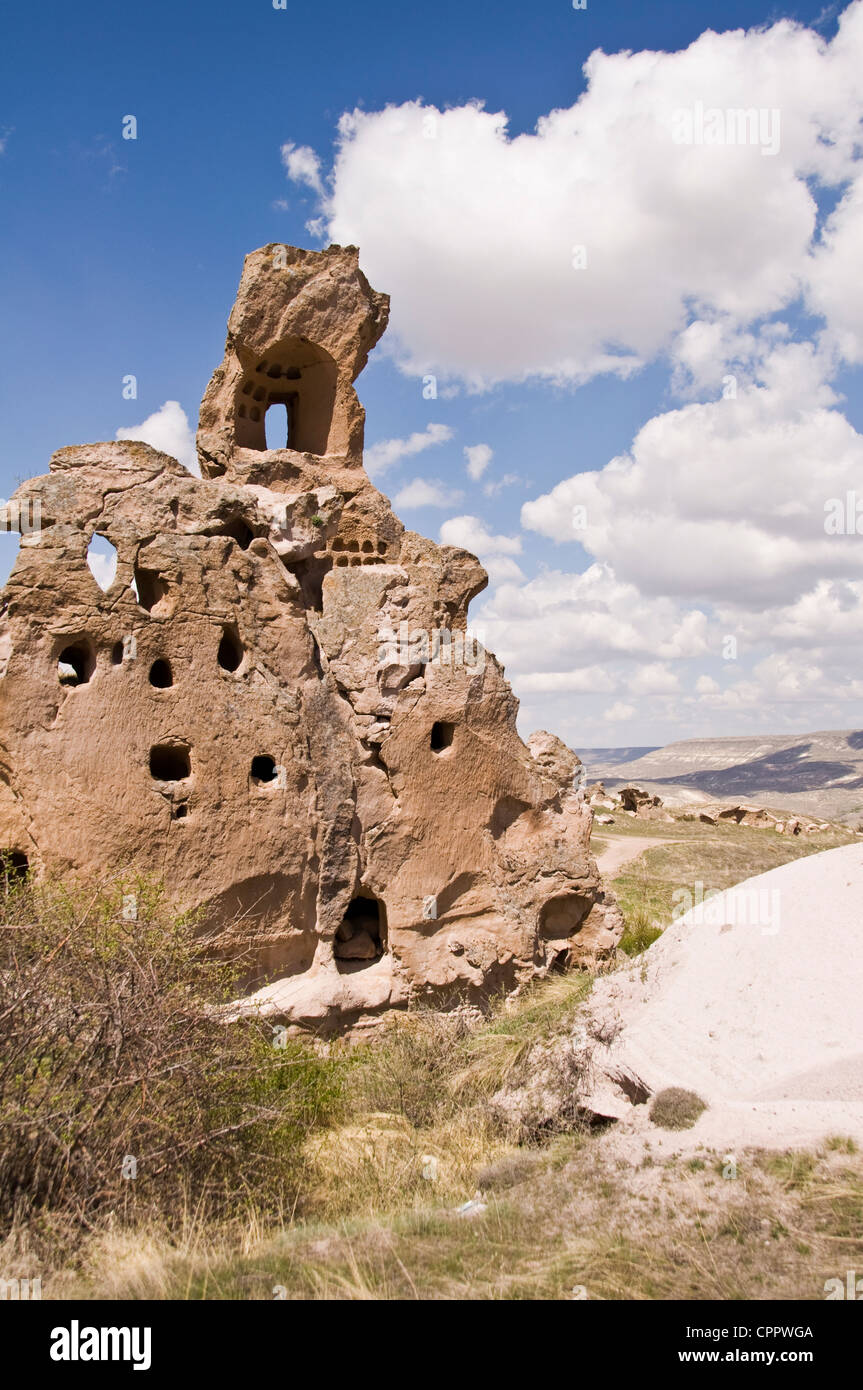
[[274, 706]]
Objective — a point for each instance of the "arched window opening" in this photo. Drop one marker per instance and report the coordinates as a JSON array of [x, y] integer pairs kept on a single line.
[[296, 388]]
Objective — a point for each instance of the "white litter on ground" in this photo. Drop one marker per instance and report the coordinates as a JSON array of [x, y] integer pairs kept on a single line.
[[753, 999]]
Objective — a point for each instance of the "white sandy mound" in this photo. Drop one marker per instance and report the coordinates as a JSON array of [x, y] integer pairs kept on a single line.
[[753, 999]]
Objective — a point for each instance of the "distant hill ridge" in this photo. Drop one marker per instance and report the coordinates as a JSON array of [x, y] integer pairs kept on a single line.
[[820, 773]]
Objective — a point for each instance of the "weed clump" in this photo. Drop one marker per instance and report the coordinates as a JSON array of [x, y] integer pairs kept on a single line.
[[676, 1108]]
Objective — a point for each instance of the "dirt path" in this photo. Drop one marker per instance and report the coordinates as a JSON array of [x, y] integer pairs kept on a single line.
[[620, 851]]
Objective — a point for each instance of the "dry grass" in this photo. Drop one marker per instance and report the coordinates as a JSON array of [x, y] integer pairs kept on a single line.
[[577, 1214], [378, 1214], [415, 1135]]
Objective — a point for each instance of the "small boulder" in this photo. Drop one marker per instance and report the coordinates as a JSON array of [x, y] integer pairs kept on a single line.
[[359, 946]]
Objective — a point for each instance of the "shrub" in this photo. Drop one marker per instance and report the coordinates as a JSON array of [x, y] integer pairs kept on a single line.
[[408, 1068], [120, 1085], [640, 932], [676, 1108]]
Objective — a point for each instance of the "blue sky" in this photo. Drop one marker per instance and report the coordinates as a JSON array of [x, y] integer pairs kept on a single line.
[[122, 257]]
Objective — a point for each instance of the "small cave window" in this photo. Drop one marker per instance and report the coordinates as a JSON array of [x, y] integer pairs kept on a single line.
[[442, 735], [180, 811], [76, 663], [263, 769], [150, 589], [561, 917], [240, 532], [560, 962], [117, 654], [160, 674], [102, 561], [170, 762], [14, 867], [230, 650], [277, 425], [361, 935]]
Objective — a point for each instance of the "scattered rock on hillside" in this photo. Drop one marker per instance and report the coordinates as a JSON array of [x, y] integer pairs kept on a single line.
[[748, 815], [634, 798]]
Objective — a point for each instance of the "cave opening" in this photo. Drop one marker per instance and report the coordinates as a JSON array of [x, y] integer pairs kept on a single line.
[[76, 663], [442, 735], [150, 588], [230, 652], [287, 400], [160, 674], [170, 762], [14, 867], [361, 935], [263, 768]]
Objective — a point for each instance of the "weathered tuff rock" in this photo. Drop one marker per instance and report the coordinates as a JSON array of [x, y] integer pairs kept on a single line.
[[637, 799], [274, 707], [761, 817]]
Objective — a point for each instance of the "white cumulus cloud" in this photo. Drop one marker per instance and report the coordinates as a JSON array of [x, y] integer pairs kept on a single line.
[[425, 492], [168, 430], [584, 246], [478, 458], [303, 166], [619, 712], [722, 500], [387, 452], [472, 534]]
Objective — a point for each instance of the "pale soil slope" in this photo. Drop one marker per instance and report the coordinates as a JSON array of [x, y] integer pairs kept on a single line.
[[753, 1001]]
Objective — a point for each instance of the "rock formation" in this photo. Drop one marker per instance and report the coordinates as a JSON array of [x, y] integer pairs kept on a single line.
[[637, 799], [275, 706], [760, 817]]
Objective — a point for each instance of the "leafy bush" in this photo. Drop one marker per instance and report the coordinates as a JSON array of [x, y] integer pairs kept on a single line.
[[121, 1087]]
